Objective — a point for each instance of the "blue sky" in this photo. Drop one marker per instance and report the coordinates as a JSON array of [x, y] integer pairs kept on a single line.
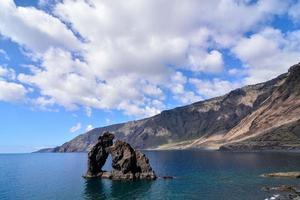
[[69, 66]]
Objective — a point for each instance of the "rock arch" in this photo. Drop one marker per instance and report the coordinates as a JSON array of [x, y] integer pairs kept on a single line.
[[127, 163]]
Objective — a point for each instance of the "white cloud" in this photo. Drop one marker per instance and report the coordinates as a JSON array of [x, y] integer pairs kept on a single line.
[[233, 71], [294, 12], [177, 87], [89, 127], [10, 91], [213, 88], [206, 61], [82, 88], [75, 128], [107, 121], [43, 103], [188, 97], [7, 73], [88, 111], [4, 54], [130, 56], [268, 53], [34, 29], [178, 80]]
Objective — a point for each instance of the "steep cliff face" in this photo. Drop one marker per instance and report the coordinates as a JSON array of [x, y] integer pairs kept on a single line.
[[276, 124], [239, 116]]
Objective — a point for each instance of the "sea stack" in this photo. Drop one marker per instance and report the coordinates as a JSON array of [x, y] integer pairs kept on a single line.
[[127, 163], [98, 154]]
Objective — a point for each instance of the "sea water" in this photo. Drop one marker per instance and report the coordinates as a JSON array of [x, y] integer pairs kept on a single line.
[[208, 175]]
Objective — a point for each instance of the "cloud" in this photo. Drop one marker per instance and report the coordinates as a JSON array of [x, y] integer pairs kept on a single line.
[[44, 103], [75, 128], [206, 61], [107, 121], [4, 54], [89, 127], [88, 111], [7, 73], [213, 88], [188, 97], [268, 53], [34, 29], [131, 93], [114, 55], [294, 12], [177, 87], [11, 92]]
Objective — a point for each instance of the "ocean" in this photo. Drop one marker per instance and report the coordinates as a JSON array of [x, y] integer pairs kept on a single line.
[[208, 175]]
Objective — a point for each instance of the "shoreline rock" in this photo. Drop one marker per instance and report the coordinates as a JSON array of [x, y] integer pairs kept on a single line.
[[295, 174], [283, 192]]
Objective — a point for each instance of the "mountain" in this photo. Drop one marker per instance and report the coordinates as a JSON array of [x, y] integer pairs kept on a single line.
[[264, 116]]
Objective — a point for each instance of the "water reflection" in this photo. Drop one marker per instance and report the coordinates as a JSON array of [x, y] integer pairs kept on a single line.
[[130, 189], [107, 189], [94, 190]]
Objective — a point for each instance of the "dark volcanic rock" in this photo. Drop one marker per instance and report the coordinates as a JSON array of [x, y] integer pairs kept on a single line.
[[144, 170], [283, 192], [123, 160], [127, 163], [98, 154]]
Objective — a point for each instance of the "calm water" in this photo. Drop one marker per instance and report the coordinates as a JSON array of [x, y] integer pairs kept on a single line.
[[199, 175]]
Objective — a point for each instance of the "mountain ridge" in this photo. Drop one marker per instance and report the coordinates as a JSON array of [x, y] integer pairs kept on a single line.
[[224, 122]]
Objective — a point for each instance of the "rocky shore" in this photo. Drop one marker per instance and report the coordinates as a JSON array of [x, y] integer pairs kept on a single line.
[[282, 175], [283, 192]]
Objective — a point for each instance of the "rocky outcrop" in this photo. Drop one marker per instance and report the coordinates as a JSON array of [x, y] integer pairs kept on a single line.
[[144, 170], [127, 164], [282, 175], [283, 192], [98, 154], [244, 119]]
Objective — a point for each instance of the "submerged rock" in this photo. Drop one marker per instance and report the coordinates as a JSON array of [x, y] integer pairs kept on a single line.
[[127, 163], [283, 192]]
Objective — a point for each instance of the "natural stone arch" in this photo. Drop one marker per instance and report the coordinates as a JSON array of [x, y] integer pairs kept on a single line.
[[126, 162], [97, 156]]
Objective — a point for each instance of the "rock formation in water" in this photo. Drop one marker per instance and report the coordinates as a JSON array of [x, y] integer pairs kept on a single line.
[[127, 164], [98, 154], [259, 117]]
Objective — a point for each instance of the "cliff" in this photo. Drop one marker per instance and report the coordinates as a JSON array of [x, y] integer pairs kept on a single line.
[[264, 116]]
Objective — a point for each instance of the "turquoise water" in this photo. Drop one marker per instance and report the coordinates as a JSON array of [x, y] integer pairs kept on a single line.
[[199, 175]]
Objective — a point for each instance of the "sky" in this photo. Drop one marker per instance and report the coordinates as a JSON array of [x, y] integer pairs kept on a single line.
[[67, 66]]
